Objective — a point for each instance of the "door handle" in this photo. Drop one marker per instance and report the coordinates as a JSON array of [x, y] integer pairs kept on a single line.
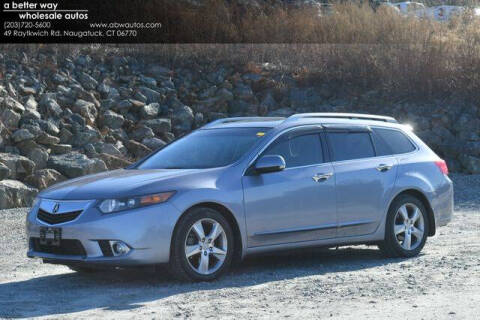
[[384, 167], [319, 177]]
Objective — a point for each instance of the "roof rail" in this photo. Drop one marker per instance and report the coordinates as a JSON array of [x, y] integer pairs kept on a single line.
[[241, 119], [343, 115]]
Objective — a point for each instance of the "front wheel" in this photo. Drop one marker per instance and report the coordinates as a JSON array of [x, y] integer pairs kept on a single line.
[[406, 228], [202, 246]]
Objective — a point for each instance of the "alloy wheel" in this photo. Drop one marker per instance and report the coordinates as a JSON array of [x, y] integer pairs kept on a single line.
[[206, 246], [409, 226]]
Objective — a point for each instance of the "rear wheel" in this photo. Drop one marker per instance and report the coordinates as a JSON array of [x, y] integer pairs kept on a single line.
[[406, 228], [202, 246]]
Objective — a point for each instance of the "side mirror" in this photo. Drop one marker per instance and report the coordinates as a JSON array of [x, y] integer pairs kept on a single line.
[[268, 164]]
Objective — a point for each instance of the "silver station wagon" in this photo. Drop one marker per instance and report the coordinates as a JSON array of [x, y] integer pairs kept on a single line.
[[239, 186]]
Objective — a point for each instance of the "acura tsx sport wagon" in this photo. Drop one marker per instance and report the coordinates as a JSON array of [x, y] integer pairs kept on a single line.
[[239, 186]]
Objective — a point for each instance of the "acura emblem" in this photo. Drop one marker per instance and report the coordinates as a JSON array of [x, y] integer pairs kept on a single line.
[[56, 207]]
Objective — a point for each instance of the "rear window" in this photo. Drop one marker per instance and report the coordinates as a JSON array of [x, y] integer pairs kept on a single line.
[[350, 145], [389, 142]]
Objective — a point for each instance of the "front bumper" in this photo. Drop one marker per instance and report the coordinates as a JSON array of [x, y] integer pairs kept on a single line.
[[147, 231]]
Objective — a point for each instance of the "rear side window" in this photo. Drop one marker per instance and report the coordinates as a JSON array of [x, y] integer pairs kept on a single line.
[[350, 145], [298, 151], [389, 141]]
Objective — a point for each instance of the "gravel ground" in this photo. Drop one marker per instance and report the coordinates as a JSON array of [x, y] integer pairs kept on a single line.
[[349, 283]]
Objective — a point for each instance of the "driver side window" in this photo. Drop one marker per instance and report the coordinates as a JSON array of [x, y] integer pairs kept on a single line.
[[300, 150]]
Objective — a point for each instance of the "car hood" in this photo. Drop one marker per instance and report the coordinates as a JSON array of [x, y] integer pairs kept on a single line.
[[120, 183]]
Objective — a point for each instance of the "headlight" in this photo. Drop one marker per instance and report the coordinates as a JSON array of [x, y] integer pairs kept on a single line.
[[114, 205]]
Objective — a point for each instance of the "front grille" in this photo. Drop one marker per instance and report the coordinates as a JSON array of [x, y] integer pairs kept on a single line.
[[58, 217], [67, 247], [106, 248]]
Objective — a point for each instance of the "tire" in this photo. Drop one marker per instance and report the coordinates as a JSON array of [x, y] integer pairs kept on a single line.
[[208, 259], [396, 242]]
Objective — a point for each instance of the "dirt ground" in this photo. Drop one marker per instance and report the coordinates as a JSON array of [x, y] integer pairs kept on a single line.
[[349, 283]]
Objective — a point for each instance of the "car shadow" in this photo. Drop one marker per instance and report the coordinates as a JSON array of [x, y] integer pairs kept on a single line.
[[130, 288]]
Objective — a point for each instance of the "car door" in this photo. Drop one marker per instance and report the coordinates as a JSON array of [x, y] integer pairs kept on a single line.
[[297, 203], [363, 181]]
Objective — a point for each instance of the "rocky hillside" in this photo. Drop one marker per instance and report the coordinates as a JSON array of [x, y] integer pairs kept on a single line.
[[64, 116]]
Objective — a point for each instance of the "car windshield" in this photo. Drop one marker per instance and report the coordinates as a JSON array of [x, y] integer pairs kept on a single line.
[[207, 148]]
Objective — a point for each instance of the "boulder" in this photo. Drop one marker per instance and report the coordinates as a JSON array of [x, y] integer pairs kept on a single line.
[[86, 109], [75, 164], [39, 157], [13, 105], [87, 81], [65, 136], [149, 111], [87, 135], [107, 148], [159, 125], [4, 171], [150, 94], [51, 107], [19, 166], [141, 133], [113, 162], [154, 143], [112, 120], [22, 135], [44, 178], [61, 148], [182, 119], [15, 194], [137, 149], [10, 118], [47, 139], [123, 106]]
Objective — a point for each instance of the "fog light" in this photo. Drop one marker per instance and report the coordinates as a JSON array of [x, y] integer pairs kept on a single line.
[[119, 248]]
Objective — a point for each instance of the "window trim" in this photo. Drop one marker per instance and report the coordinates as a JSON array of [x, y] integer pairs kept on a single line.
[[315, 128]]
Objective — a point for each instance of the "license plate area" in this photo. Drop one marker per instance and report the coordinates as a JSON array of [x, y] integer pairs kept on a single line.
[[50, 236]]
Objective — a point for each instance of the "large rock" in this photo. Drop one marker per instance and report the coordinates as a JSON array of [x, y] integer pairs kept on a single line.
[[22, 135], [15, 194], [182, 119], [61, 148], [86, 109], [154, 143], [39, 157], [87, 81], [4, 171], [10, 118], [44, 178], [76, 164], [112, 120], [149, 111], [159, 125], [150, 94], [107, 148], [47, 139], [113, 162], [141, 133], [19, 166], [137, 149]]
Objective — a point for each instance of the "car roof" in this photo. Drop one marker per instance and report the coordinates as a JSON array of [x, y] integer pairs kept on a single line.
[[304, 119]]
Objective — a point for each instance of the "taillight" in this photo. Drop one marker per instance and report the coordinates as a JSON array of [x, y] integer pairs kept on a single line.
[[442, 165]]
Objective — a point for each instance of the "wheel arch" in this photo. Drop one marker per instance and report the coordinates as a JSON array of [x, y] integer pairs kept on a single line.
[[228, 215], [426, 203]]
